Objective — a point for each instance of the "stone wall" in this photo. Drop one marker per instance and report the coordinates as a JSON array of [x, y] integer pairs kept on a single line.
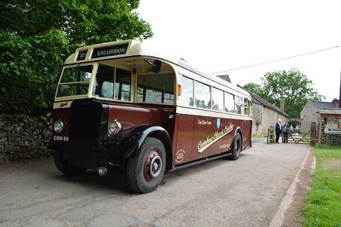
[[263, 118], [23, 137], [332, 137], [308, 115]]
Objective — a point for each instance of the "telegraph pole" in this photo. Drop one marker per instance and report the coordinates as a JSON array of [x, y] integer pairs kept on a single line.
[[340, 92]]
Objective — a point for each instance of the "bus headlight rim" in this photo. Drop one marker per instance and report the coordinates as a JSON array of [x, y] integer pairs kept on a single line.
[[114, 127], [58, 126]]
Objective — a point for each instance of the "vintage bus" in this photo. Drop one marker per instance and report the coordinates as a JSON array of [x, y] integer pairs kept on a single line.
[[121, 104]]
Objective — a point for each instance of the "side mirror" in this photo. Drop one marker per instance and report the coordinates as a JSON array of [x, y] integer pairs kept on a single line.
[[156, 66]]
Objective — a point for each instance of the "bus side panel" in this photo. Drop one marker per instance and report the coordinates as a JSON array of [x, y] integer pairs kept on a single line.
[[198, 137], [230, 128], [219, 137], [203, 138], [223, 132], [134, 115], [247, 133], [182, 140], [139, 115]]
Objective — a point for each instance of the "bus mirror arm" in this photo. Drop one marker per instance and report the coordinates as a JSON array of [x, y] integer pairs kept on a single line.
[[156, 65]]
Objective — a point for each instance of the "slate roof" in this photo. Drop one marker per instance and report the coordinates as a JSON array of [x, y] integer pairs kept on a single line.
[[260, 101], [318, 105], [335, 111]]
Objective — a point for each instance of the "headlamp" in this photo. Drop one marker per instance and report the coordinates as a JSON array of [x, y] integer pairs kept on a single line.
[[58, 126], [114, 127]]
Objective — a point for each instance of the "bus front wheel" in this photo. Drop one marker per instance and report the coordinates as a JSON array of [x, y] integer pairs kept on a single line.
[[146, 170], [237, 147], [63, 166]]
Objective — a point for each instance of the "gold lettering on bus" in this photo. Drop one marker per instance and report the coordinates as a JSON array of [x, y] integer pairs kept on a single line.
[[204, 122], [203, 145]]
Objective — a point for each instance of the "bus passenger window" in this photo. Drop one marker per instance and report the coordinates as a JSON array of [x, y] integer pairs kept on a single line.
[[239, 105], [246, 107], [123, 85], [169, 98], [186, 97], [74, 81], [217, 99], [156, 88], [107, 89], [229, 102], [104, 81], [202, 95]]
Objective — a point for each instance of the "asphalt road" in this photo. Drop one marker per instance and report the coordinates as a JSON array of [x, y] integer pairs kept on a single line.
[[246, 192]]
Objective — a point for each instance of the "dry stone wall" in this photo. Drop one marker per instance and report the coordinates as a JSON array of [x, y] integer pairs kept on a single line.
[[23, 137]]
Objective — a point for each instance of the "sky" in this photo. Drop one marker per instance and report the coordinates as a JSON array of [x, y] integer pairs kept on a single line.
[[248, 38]]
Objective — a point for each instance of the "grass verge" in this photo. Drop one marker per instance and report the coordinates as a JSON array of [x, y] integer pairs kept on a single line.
[[323, 205]]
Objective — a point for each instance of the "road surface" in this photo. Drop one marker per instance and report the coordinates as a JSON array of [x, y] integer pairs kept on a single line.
[[246, 192]]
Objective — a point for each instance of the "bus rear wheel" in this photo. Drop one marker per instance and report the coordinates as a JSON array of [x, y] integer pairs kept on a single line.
[[63, 165], [145, 171], [237, 147]]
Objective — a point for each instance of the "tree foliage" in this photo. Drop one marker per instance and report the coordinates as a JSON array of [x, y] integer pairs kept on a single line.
[[36, 36], [253, 87], [293, 85]]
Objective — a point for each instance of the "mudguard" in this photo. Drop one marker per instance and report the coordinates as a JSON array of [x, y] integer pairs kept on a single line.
[[134, 139], [238, 130]]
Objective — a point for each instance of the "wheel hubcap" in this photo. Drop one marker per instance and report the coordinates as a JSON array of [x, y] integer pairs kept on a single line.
[[153, 166]]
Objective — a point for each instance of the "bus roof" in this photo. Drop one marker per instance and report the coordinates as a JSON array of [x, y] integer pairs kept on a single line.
[[130, 48], [117, 49]]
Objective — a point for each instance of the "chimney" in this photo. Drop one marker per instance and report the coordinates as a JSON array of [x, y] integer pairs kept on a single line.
[[282, 104], [336, 103]]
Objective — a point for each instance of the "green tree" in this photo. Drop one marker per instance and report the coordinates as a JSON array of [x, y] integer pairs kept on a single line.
[[36, 36], [253, 87], [293, 85]]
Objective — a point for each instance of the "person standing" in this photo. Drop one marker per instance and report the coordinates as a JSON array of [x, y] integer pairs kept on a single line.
[[286, 130], [278, 128]]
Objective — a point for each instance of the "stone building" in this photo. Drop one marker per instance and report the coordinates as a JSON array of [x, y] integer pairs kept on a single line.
[[311, 112], [330, 126], [265, 114]]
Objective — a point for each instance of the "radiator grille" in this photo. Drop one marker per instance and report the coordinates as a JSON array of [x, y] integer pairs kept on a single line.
[[88, 121]]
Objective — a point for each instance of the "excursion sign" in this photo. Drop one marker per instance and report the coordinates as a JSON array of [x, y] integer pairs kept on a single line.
[[109, 51]]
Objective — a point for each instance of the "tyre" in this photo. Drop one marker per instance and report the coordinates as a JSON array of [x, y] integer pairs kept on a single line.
[[145, 171], [237, 147], [63, 166]]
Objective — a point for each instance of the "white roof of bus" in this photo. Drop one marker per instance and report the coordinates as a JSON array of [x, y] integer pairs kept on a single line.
[[137, 48]]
